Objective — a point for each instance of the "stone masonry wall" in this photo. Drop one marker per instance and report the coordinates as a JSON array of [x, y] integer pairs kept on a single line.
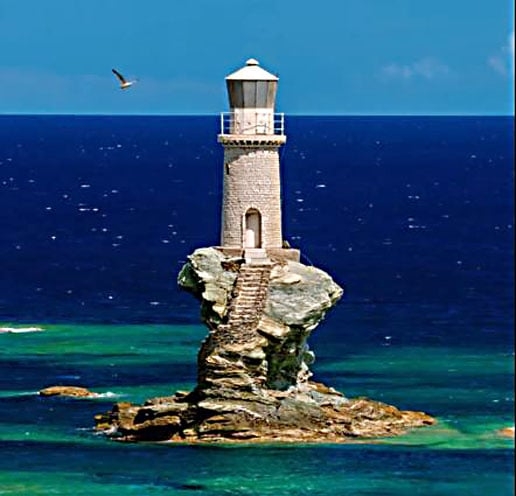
[[251, 180]]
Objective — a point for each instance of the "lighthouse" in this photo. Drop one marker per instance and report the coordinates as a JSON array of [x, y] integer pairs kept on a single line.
[[252, 134]]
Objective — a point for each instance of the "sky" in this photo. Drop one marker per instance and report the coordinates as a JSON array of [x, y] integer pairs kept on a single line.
[[338, 57]]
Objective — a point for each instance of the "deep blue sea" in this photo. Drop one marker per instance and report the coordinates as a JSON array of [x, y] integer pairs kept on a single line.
[[413, 216]]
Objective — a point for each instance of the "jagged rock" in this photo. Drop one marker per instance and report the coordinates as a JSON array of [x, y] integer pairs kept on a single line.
[[73, 391], [300, 295], [206, 278], [253, 367]]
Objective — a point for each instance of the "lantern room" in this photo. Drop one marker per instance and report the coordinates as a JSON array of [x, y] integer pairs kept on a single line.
[[252, 95]]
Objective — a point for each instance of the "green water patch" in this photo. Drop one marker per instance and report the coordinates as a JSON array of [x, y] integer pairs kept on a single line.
[[454, 435], [108, 358], [123, 341], [469, 391], [403, 361]]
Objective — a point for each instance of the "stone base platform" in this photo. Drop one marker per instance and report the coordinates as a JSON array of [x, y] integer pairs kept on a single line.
[[277, 255]]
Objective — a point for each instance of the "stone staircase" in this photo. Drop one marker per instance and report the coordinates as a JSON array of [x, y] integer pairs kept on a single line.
[[247, 303]]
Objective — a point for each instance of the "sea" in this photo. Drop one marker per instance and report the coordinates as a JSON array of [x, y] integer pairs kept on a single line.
[[412, 216]]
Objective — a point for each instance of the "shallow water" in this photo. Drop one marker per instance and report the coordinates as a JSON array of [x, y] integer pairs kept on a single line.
[[49, 447]]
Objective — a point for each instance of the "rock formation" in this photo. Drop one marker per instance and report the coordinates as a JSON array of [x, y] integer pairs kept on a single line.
[[70, 391], [254, 381]]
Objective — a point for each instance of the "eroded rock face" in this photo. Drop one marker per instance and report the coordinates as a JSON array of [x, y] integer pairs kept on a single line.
[[205, 276], [274, 353], [253, 367]]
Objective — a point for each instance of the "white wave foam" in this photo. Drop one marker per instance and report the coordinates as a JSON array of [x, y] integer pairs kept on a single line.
[[108, 394], [17, 394], [19, 330]]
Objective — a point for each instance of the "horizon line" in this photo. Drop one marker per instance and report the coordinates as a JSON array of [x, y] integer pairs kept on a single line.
[[295, 114]]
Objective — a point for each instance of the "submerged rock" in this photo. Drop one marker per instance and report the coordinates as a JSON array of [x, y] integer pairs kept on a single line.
[[254, 381]]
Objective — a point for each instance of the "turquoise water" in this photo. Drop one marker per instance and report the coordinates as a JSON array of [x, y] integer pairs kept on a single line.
[[48, 445]]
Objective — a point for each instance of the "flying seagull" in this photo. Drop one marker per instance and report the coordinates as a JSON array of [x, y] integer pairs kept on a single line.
[[124, 84]]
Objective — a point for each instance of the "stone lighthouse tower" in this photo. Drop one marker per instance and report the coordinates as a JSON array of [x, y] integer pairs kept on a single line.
[[260, 305], [251, 134]]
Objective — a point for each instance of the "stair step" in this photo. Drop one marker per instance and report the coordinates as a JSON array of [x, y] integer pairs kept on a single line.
[[248, 297]]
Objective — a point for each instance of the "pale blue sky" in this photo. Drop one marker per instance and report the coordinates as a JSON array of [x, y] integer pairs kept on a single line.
[[350, 57]]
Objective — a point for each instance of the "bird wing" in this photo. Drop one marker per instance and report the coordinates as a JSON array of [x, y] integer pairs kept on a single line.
[[118, 75]]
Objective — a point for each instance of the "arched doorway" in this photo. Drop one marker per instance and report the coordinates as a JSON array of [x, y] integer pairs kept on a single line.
[[253, 229]]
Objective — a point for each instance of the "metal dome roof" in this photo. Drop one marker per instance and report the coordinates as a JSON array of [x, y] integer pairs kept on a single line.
[[252, 72]]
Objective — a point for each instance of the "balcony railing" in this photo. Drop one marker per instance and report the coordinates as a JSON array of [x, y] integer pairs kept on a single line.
[[259, 123]]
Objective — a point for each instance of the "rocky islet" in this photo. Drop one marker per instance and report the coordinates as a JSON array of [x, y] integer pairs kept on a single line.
[[254, 381]]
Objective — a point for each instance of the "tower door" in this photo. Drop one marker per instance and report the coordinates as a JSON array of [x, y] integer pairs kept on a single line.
[[253, 229]]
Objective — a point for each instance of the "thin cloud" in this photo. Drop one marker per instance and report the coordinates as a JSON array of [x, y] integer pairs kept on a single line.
[[498, 64], [503, 61], [427, 68]]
